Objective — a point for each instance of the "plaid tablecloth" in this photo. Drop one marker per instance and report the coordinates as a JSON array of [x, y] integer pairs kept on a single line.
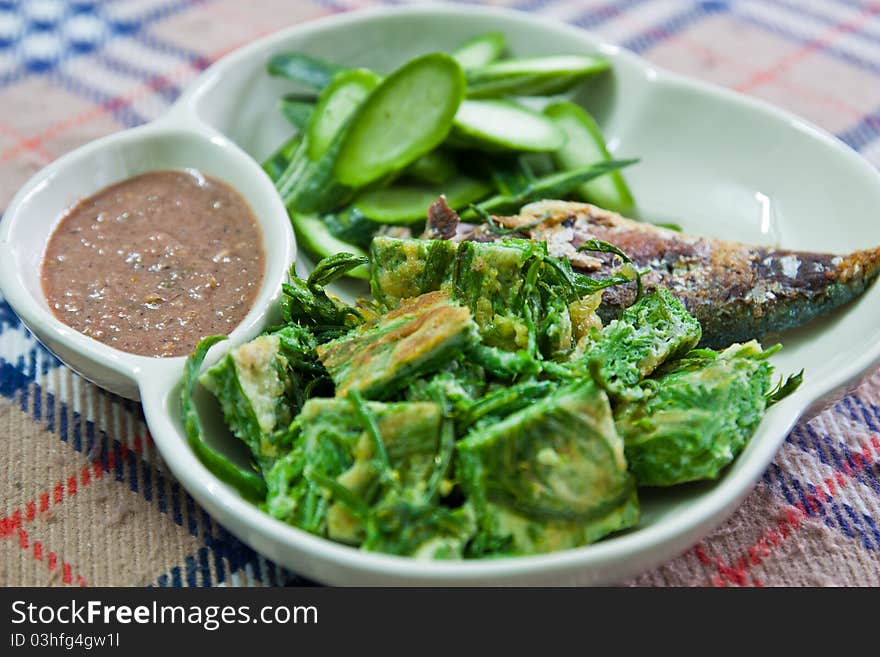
[[84, 496]]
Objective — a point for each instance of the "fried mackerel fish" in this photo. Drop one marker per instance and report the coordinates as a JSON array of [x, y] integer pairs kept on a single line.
[[737, 292], [477, 406]]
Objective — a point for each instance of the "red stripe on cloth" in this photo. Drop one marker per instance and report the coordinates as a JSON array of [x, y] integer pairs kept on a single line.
[[36, 549], [794, 515], [796, 89], [813, 45], [64, 489]]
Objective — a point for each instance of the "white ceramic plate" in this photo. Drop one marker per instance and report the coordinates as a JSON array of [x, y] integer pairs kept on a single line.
[[719, 164]]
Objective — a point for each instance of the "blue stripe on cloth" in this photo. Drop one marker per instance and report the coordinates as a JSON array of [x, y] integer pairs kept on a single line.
[[863, 133], [600, 15], [120, 110], [167, 89], [222, 544], [834, 454], [678, 23], [800, 10], [113, 28], [834, 513], [198, 61]]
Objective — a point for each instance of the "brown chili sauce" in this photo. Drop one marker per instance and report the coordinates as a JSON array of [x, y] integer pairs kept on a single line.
[[154, 263]]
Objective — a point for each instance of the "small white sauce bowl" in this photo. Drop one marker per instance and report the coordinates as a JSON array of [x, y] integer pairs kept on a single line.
[[719, 164]]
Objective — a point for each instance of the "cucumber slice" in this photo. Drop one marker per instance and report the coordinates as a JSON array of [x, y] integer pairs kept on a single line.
[[406, 116], [296, 110], [408, 204], [314, 237], [308, 71], [481, 50], [534, 76], [554, 186], [337, 103], [585, 145], [278, 162], [435, 167], [505, 125]]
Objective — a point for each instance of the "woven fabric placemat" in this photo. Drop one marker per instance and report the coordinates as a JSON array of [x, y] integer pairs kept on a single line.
[[84, 496]]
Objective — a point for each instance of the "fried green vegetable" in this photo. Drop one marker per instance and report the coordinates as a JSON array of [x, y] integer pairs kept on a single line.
[[405, 268], [518, 294], [423, 531], [489, 278], [252, 383], [383, 356], [247, 481], [332, 477], [653, 330], [550, 475], [696, 415]]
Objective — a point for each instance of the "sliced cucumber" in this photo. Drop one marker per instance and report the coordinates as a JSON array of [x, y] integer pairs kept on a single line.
[[296, 110], [435, 167], [313, 187], [406, 116], [481, 50], [535, 76], [408, 204], [337, 103], [585, 145], [555, 186], [308, 71], [505, 125], [278, 162], [314, 237]]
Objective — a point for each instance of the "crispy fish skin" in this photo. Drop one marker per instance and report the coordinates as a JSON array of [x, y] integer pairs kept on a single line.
[[738, 292]]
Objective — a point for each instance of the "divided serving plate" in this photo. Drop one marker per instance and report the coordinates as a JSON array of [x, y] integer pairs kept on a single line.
[[719, 164]]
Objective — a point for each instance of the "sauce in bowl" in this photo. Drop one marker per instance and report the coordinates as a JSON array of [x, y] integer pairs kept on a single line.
[[152, 264]]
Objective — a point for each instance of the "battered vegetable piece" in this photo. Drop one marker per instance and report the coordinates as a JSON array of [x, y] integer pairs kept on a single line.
[[490, 279], [407, 268], [423, 531], [653, 330], [696, 415], [550, 475], [337, 470], [420, 336], [252, 383]]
